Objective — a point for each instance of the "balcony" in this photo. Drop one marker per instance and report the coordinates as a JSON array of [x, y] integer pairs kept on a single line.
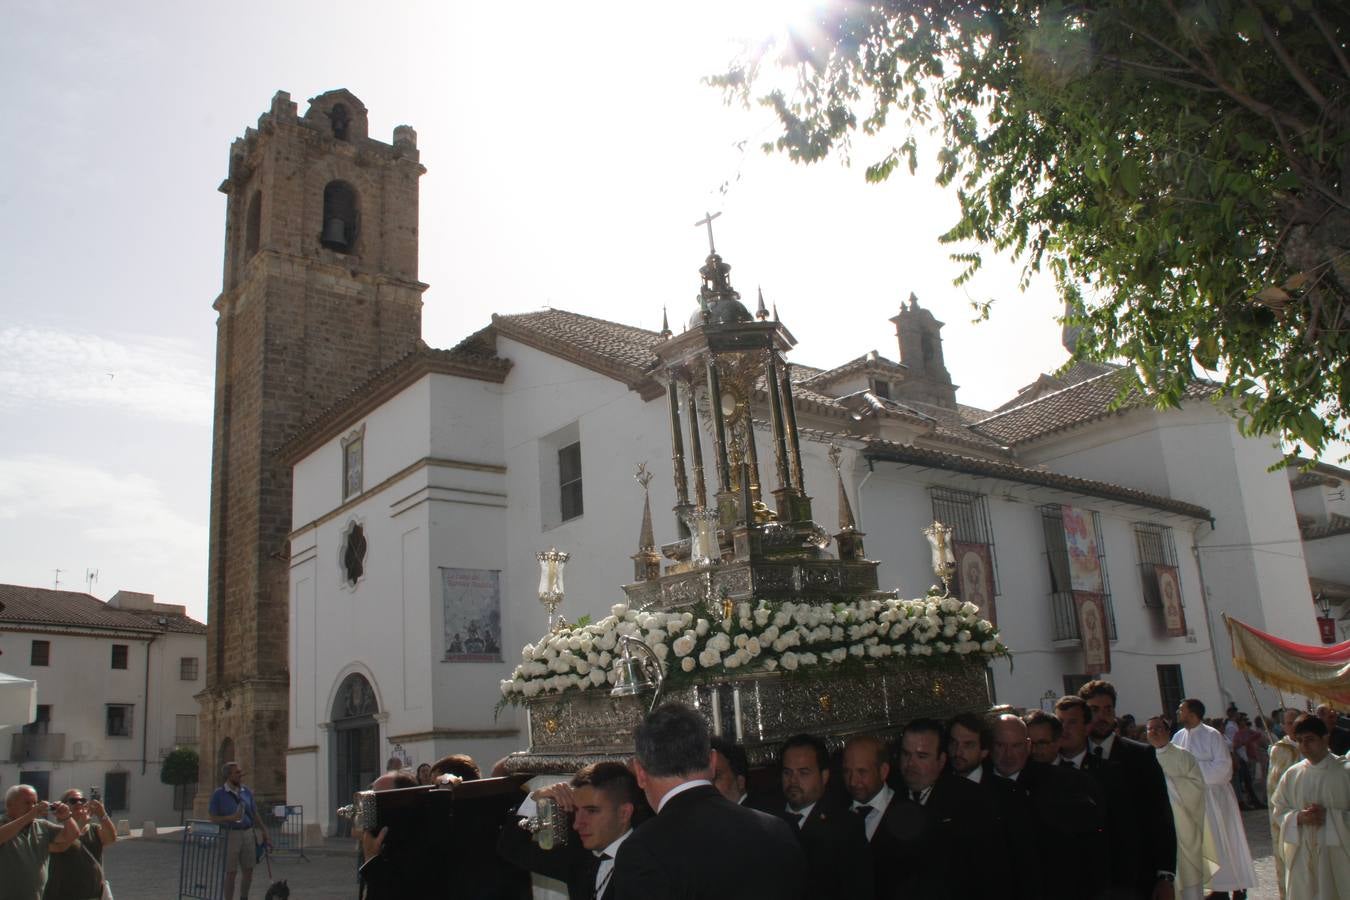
[[37, 747], [1066, 618]]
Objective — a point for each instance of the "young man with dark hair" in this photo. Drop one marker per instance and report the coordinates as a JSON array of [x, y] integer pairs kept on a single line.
[[730, 770], [1312, 807], [1043, 730], [833, 839], [968, 744], [700, 844], [1215, 758], [602, 799], [1142, 835]]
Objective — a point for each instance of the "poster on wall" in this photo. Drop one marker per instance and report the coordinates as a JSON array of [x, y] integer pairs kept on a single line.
[[473, 615], [1091, 610], [975, 577], [1169, 593], [1085, 573]]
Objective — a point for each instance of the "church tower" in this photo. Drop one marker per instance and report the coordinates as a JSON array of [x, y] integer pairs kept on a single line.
[[920, 335], [320, 292]]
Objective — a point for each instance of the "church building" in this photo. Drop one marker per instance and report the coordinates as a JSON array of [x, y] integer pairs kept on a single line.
[[379, 506]]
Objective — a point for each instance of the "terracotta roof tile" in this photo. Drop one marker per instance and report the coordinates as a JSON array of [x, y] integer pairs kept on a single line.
[[1086, 401], [52, 608]]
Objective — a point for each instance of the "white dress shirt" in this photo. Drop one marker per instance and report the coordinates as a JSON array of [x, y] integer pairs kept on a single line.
[[878, 803]]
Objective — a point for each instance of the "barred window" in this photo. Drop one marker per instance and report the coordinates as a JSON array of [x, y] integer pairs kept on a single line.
[[1156, 547], [1061, 589], [1170, 688], [968, 515]]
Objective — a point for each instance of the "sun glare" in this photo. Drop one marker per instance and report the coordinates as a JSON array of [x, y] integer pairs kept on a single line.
[[757, 20]]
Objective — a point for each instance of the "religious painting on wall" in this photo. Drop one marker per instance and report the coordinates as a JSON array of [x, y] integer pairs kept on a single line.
[[975, 577], [1169, 591], [473, 615], [1080, 538], [1091, 609]]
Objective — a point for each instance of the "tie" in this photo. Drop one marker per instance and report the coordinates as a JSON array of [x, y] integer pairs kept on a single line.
[[1097, 753], [863, 811], [916, 796], [800, 817], [602, 883]]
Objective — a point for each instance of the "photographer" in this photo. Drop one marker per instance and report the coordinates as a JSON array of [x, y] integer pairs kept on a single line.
[[601, 798], [77, 874], [27, 839]]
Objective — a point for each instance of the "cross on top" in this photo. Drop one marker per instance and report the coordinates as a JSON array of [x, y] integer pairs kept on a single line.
[[707, 220]]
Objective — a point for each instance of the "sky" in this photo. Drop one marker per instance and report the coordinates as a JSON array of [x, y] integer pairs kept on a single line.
[[569, 148]]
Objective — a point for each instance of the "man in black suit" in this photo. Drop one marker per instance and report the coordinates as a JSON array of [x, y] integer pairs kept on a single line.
[[700, 846], [1063, 816], [939, 837], [837, 859], [1142, 836], [1044, 731], [730, 770], [968, 739], [602, 799]]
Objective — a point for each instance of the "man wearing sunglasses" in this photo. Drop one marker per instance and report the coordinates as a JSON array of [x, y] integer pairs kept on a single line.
[[77, 874], [28, 838]]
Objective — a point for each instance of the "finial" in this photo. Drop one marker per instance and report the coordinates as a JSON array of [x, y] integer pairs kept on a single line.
[[665, 324], [846, 521], [775, 312], [708, 220], [761, 313], [646, 540], [913, 300]]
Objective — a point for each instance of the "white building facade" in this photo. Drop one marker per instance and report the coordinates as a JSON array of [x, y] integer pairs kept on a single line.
[[115, 696]]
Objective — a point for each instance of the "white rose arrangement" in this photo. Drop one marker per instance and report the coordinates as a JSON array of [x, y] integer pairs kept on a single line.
[[764, 637]]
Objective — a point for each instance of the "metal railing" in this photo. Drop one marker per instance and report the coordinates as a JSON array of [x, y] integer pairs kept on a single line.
[[28, 747], [286, 829], [201, 868]]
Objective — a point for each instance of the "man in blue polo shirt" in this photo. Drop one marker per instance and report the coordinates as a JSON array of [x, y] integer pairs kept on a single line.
[[232, 808]]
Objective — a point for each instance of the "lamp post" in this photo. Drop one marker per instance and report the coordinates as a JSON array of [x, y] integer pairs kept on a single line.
[[1326, 624]]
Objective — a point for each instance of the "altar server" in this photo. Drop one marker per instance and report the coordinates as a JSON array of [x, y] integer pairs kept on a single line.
[[1283, 754], [1312, 805], [1211, 751], [1197, 859]]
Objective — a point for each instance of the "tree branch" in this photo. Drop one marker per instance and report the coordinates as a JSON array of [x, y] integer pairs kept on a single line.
[[1336, 48], [1300, 77]]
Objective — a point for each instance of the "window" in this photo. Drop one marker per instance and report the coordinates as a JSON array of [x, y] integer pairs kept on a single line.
[[1170, 689], [1061, 591], [968, 515], [119, 656], [41, 654], [119, 719], [184, 731], [38, 781], [353, 463], [115, 791], [1156, 547], [881, 388], [187, 668], [43, 723], [341, 121], [1073, 682], [569, 481], [253, 225], [339, 217]]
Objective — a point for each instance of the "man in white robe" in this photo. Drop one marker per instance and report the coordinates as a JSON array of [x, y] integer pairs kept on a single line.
[[1196, 857], [1283, 754], [1215, 759], [1312, 805]]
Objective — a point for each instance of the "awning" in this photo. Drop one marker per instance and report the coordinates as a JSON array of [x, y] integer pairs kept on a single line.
[[18, 701], [1319, 672]]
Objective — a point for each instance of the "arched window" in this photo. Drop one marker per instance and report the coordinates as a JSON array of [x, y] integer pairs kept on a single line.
[[341, 121], [339, 217], [253, 225], [355, 698]]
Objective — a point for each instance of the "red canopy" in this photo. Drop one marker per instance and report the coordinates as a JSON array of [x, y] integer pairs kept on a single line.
[[1319, 672]]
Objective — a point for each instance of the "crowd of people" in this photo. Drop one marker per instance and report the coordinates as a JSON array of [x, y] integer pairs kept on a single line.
[[1065, 803], [56, 860]]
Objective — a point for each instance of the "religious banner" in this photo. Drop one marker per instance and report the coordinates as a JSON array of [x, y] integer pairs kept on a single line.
[[473, 615], [1321, 673], [1169, 594], [1085, 573], [975, 577], [1091, 610]]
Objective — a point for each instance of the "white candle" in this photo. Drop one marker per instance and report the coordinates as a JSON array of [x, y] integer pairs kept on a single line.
[[736, 705], [716, 711]]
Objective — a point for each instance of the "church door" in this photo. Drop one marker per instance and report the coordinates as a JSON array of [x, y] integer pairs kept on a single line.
[[356, 743]]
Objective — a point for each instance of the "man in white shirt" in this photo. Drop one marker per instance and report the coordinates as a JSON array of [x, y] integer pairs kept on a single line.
[[867, 765], [1312, 806], [1212, 753], [601, 798]]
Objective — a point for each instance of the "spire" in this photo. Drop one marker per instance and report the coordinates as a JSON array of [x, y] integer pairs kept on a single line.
[[646, 562], [761, 313], [849, 538], [665, 325]]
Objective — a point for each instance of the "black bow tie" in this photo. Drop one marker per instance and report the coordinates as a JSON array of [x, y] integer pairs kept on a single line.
[[863, 810]]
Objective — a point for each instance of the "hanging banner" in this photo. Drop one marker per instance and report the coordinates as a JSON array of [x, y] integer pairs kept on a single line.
[[1091, 610], [975, 577], [1327, 628], [473, 615], [1169, 594], [1085, 573]]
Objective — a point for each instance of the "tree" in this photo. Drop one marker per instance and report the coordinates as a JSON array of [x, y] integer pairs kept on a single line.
[[1180, 169], [180, 770]]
